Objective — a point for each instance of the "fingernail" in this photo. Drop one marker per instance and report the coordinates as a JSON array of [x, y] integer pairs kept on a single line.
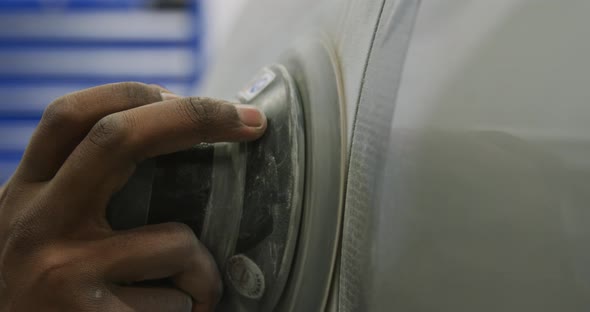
[[169, 96], [251, 116]]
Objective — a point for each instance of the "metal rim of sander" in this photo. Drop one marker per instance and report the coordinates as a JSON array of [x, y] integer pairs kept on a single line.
[[313, 74], [313, 64], [254, 245]]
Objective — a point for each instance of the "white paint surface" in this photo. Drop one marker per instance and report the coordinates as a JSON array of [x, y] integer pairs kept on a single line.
[[221, 16]]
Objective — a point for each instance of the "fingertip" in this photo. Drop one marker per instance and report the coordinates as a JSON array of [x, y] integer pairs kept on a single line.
[[252, 117]]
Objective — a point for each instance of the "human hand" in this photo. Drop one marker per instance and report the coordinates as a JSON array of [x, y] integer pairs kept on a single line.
[[58, 252]]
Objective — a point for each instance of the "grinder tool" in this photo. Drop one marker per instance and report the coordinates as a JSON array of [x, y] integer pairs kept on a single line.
[[243, 200], [259, 207]]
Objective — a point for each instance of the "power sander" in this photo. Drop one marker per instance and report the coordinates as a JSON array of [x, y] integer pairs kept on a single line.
[[243, 200], [269, 211]]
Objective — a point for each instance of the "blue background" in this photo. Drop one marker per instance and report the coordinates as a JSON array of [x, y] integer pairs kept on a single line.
[[49, 48]]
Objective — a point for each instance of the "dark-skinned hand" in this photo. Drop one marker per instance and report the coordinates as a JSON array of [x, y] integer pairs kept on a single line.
[[57, 250]]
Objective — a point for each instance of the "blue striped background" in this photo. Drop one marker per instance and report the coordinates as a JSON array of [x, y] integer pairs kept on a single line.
[[92, 5], [26, 87]]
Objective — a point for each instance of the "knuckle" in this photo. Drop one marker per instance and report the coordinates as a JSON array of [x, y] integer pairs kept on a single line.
[[56, 268], [180, 231], [183, 235], [65, 266], [62, 111], [201, 111], [134, 90], [110, 131]]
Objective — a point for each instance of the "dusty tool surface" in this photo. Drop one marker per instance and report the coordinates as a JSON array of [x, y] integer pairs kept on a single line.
[[244, 201]]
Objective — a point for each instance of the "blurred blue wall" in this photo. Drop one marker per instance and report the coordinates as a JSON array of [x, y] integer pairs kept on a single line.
[[52, 47]]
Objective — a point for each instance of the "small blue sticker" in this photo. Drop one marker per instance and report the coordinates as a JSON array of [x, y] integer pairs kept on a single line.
[[262, 80]]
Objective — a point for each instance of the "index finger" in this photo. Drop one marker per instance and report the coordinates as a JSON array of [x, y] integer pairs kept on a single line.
[[107, 157], [67, 120]]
